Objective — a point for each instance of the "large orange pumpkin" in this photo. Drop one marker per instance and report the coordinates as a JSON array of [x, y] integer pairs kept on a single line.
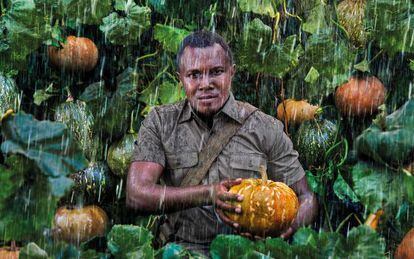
[[76, 54], [406, 248], [9, 252], [268, 207], [297, 111], [76, 225], [360, 96]]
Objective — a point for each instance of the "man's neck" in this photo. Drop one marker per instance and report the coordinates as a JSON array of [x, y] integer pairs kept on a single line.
[[207, 119]]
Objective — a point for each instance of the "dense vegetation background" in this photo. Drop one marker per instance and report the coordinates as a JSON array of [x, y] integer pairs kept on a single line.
[[70, 123]]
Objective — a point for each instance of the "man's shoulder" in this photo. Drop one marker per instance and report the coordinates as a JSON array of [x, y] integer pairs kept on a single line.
[[258, 114]]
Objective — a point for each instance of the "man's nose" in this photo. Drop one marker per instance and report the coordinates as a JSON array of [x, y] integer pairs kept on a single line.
[[205, 81]]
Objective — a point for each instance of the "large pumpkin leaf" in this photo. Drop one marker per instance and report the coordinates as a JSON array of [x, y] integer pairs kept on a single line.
[[265, 7], [316, 15], [257, 54], [126, 30], [391, 24], [230, 246], [170, 37], [129, 239], [86, 11], [48, 144], [393, 142]]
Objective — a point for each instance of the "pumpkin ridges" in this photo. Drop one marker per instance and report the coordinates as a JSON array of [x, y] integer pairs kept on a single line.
[[267, 208]]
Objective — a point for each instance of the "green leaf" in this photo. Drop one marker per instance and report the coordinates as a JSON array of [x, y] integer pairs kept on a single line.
[[381, 188], [275, 248], [42, 95], [47, 143], [265, 7], [124, 239], [411, 65], [171, 92], [32, 251], [391, 24], [362, 66], [343, 190], [126, 30], [392, 144], [230, 246], [170, 37], [312, 75], [316, 14], [11, 177], [257, 54], [361, 242], [86, 11]]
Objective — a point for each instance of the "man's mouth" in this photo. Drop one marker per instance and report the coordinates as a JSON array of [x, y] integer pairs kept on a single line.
[[205, 97]]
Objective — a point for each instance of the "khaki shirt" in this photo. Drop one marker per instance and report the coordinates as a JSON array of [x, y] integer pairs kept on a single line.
[[173, 135]]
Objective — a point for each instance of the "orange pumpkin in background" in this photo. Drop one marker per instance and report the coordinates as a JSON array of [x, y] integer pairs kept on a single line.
[[76, 54], [76, 225], [360, 96], [406, 248], [268, 207]]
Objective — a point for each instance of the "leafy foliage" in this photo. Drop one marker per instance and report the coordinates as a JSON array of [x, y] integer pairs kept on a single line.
[[389, 140], [397, 23], [257, 54], [360, 242], [127, 240], [266, 7], [86, 11], [126, 30], [170, 37]]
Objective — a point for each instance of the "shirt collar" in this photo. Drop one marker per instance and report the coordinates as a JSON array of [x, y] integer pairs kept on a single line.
[[229, 108]]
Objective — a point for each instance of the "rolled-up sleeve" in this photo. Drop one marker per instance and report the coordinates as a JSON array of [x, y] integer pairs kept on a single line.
[[148, 147], [283, 164]]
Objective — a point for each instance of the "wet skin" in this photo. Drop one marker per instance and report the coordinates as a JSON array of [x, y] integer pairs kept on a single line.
[[206, 74]]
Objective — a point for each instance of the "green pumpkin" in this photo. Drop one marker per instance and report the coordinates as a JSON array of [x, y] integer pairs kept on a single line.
[[9, 96], [313, 139], [120, 154], [95, 182], [79, 120]]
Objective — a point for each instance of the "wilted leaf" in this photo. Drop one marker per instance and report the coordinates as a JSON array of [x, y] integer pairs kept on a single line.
[[312, 75], [362, 66]]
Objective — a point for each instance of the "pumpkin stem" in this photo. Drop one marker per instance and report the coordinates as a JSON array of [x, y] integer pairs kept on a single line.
[[262, 170], [13, 246], [373, 219]]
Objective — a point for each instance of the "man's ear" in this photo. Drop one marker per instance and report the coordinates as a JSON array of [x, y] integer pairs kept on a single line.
[[233, 70]]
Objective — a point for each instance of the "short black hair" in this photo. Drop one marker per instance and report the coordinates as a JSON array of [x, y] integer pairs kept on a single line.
[[203, 39]]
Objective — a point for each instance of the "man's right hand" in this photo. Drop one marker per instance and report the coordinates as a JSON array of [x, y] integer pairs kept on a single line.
[[222, 199]]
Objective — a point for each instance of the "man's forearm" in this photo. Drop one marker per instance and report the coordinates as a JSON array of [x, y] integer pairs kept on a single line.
[[155, 198]]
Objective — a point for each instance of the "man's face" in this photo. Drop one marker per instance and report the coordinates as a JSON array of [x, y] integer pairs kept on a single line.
[[206, 74]]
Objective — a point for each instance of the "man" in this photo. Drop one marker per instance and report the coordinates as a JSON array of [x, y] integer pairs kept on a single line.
[[171, 137]]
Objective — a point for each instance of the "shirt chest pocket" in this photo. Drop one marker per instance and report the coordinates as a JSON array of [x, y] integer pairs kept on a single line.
[[179, 164], [246, 165]]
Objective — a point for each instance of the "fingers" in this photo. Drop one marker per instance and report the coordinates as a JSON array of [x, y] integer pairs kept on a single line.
[[228, 196], [231, 182], [226, 220], [250, 236], [228, 207], [288, 233]]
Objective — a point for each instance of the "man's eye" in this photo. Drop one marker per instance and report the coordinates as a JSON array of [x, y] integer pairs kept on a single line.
[[195, 75], [217, 72]]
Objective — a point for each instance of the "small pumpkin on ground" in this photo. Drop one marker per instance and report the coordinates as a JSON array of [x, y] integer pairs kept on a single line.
[[268, 207], [360, 96], [76, 225], [120, 154], [406, 248]]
